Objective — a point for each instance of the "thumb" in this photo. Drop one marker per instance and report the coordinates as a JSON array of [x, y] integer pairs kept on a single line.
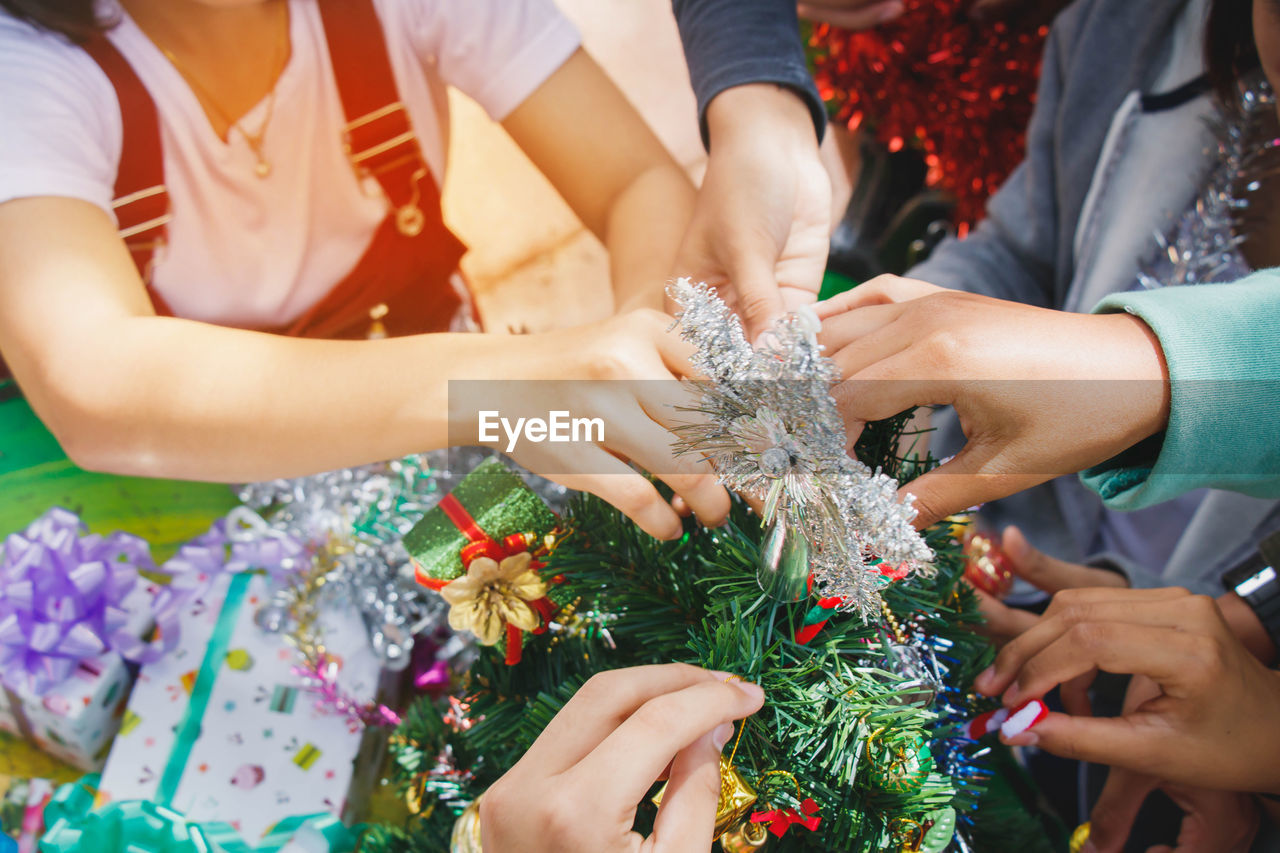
[[687, 817], [758, 295], [1047, 573], [1113, 814]]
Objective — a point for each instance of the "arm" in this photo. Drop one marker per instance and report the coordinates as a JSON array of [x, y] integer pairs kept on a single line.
[[597, 151], [127, 391], [730, 43], [1224, 378]]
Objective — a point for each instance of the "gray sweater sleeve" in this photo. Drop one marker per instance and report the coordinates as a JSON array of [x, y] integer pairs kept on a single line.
[[731, 43], [1012, 254]]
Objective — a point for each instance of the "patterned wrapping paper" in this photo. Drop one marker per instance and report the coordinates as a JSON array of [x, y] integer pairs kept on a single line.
[[75, 720], [261, 751]]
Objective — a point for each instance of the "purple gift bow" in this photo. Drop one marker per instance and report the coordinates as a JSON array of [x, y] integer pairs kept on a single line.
[[61, 590]]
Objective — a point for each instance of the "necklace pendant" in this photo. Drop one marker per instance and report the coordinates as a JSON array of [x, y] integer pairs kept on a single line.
[[262, 169]]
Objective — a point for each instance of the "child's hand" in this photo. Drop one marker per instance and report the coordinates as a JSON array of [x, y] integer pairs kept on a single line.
[[621, 371], [1039, 393], [851, 14], [1215, 721], [577, 788]]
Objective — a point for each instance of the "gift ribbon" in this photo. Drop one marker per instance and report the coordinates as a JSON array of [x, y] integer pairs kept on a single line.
[[481, 544], [188, 731], [140, 826]]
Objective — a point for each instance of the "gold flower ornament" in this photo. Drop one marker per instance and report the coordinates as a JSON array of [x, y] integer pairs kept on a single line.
[[492, 595]]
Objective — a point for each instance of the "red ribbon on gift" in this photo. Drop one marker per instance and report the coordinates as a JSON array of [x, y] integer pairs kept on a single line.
[[780, 820], [481, 544]]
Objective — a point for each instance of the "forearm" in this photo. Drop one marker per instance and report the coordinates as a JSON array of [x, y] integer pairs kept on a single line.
[[731, 43], [646, 223], [166, 397]]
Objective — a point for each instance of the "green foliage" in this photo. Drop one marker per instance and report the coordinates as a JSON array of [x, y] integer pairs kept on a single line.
[[836, 707]]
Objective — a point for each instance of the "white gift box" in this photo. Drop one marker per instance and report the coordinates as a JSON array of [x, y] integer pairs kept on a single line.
[[220, 729]]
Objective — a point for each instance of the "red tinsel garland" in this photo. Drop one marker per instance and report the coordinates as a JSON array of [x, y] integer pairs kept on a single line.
[[960, 90]]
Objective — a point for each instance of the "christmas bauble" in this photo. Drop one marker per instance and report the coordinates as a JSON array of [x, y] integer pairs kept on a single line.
[[745, 839], [783, 572], [987, 566], [736, 798], [898, 764]]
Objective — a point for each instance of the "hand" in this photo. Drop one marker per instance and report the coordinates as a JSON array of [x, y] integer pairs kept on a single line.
[[1214, 722], [1212, 821], [901, 343], [622, 371], [577, 788], [852, 14], [762, 221], [1049, 574]]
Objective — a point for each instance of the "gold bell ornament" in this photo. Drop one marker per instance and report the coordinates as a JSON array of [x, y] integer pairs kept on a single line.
[[736, 798]]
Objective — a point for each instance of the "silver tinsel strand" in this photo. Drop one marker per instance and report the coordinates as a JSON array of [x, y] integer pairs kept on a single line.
[[769, 426], [1205, 244]]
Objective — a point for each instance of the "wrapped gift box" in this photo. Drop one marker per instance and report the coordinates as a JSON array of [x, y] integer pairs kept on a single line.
[[221, 731], [75, 720]]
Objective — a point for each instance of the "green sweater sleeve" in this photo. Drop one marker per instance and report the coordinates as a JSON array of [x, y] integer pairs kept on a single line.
[[1222, 345]]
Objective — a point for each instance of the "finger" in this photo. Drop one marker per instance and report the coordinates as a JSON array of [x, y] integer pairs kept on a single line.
[[687, 817], [1049, 573], [973, 476], [1117, 647], [852, 19], [1117, 741], [616, 483], [682, 509], [622, 768], [1070, 609], [1117, 807], [759, 299], [602, 704], [1003, 623], [840, 328], [1075, 694], [882, 290], [649, 445]]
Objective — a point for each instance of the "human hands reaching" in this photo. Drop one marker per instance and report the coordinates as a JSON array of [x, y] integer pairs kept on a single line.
[[577, 788], [1039, 393], [1003, 623], [762, 221], [1214, 720], [851, 14], [622, 371]]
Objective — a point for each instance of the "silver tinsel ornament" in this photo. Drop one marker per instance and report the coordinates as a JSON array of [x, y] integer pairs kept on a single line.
[[1204, 244], [771, 430]]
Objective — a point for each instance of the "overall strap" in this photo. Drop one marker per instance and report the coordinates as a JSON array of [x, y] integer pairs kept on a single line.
[[379, 139], [141, 201]]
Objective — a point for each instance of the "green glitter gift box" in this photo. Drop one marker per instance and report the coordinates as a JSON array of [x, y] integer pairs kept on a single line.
[[498, 504]]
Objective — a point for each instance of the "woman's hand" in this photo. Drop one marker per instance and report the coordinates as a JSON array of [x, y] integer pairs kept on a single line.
[[577, 788], [1039, 393], [1215, 721], [622, 372], [762, 221], [1046, 573]]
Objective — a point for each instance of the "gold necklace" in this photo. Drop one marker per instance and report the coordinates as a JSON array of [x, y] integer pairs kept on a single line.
[[255, 140]]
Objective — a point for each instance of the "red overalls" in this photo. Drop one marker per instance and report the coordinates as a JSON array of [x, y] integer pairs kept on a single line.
[[402, 283]]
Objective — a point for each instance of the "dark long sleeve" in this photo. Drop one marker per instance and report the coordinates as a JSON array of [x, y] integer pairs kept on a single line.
[[735, 42]]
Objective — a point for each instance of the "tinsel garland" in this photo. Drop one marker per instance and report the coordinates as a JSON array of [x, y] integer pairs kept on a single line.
[[1204, 245], [960, 89], [770, 428]]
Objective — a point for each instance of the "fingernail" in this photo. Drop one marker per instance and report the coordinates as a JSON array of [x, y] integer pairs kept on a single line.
[[984, 679], [755, 691], [1024, 718], [721, 735], [891, 11], [1012, 695]]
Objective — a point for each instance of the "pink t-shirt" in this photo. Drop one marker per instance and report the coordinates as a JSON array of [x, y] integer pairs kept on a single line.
[[245, 250]]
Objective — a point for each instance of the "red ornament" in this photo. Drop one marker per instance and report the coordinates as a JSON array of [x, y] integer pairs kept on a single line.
[[960, 90], [987, 566]]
